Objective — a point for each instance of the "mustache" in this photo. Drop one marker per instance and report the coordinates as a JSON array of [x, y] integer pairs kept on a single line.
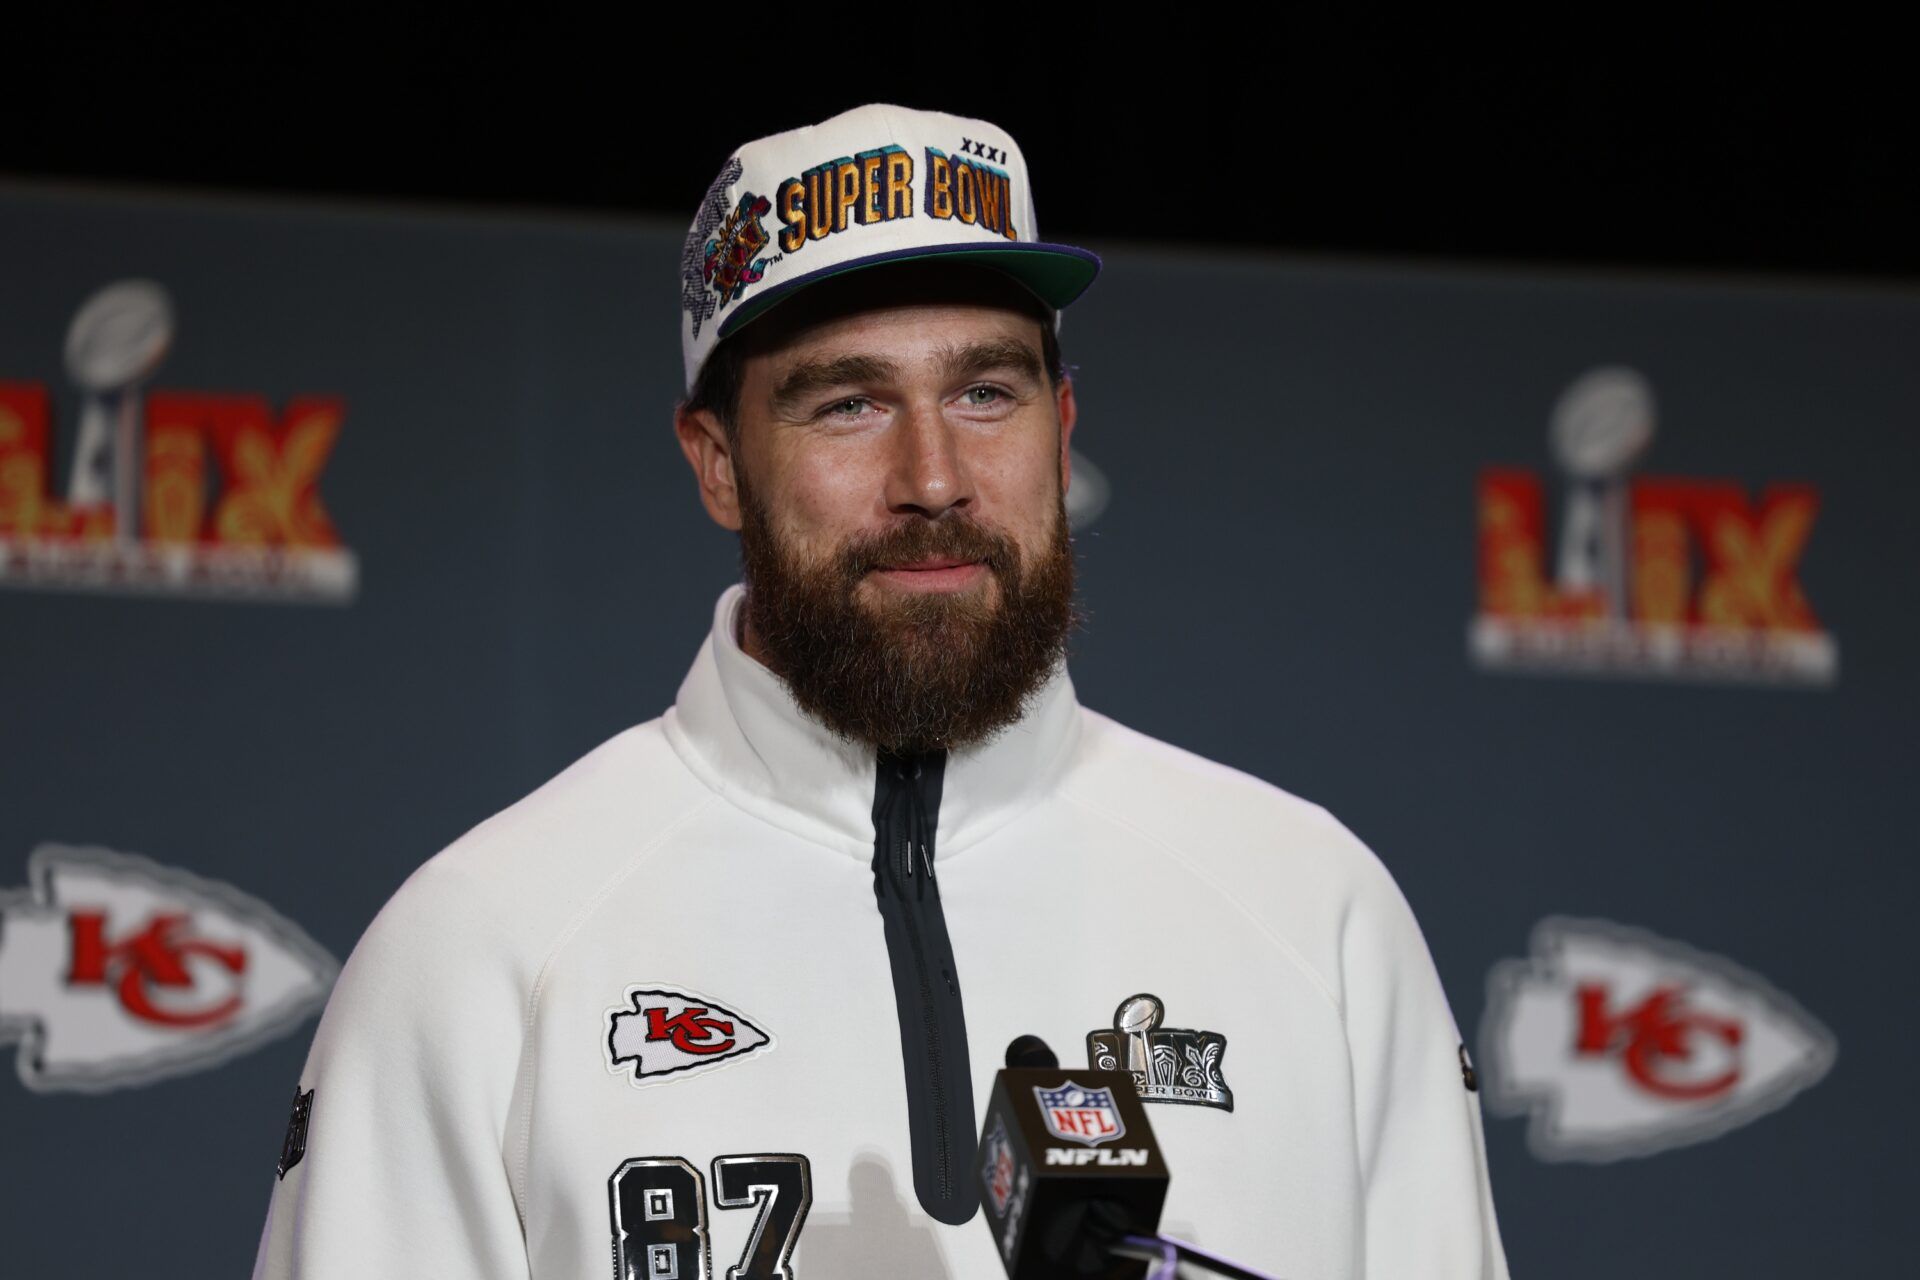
[[959, 537]]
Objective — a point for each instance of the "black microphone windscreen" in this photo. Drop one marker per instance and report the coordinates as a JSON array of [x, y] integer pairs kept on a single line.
[[1030, 1051]]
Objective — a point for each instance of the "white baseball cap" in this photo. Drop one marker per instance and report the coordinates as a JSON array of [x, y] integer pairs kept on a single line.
[[873, 185]]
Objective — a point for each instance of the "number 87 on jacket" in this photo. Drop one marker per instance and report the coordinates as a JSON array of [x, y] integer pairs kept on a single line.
[[659, 1207]]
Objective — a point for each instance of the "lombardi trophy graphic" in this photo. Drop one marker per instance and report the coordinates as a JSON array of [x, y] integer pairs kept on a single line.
[[1600, 427], [117, 340], [1136, 1021]]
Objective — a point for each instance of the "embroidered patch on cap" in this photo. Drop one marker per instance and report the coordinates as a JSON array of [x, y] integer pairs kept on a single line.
[[669, 1032]]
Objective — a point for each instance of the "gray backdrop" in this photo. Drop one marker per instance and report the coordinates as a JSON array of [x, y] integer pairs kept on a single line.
[[1282, 581]]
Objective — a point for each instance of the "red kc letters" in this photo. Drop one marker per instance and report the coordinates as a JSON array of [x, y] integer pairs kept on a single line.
[[690, 1030]]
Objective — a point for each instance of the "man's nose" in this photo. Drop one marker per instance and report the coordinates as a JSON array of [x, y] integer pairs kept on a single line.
[[929, 473]]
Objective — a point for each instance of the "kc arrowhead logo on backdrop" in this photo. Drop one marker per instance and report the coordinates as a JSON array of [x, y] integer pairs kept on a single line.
[[115, 970], [1625, 597], [1620, 1043], [671, 1031], [172, 492]]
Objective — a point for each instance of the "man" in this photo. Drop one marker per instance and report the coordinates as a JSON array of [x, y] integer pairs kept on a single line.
[[727, 995]]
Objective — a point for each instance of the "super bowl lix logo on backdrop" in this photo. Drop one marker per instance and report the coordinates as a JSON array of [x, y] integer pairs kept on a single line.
[[187, 493], [1654, 576], [1615, 1042], [115, 970]]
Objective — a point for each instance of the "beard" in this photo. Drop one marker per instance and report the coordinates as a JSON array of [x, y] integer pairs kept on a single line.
[[910, 672]]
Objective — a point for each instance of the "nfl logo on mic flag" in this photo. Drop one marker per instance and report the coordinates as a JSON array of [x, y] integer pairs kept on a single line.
[[1074, 1113], [1050, 1133]]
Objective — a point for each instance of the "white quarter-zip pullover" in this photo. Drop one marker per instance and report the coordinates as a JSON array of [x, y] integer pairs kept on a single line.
[[648, 1018]]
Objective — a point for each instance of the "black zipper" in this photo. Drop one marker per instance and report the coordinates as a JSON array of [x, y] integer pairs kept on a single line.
[[926, 987]]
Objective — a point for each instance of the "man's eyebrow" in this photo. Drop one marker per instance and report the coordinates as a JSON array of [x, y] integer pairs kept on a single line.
[[817, 375], [959, 361], [983, 357]]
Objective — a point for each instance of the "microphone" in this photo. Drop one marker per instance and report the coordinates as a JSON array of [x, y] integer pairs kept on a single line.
[[1030, 1051], [1069, 1169]]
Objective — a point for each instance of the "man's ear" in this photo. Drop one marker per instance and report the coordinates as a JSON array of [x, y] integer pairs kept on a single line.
[[704, 440], [1068, 412]]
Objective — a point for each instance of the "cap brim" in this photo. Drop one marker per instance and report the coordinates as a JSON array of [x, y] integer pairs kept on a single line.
[[1056, 273]]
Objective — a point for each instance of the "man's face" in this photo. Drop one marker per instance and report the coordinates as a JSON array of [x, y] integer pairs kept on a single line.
[[897, 476]]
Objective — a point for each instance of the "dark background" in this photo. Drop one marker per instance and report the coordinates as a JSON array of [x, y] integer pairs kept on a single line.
[[1773, 141]]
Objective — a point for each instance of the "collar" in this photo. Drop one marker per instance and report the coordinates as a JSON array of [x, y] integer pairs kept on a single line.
[[739, 729]]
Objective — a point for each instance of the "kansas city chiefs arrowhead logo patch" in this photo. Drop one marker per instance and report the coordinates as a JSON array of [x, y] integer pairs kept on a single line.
[[668, 1033], [116, 970], [1615, 1042]]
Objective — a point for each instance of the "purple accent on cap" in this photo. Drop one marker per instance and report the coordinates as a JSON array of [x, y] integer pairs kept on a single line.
[[756, 306]]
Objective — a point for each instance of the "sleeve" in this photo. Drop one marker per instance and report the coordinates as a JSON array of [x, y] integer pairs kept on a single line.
[[1423, 1160], [411, 1074]]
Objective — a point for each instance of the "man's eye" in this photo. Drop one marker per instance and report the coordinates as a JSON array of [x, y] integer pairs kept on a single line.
[[848, 408], [981, 396]]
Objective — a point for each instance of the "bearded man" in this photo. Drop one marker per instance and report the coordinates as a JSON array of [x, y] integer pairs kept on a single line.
[[725, 994]]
